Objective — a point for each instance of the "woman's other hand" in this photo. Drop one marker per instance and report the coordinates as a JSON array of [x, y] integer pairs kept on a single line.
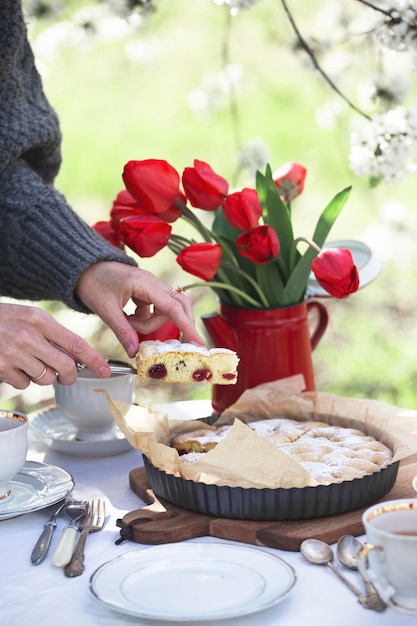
[[106, 287], [35, 347]]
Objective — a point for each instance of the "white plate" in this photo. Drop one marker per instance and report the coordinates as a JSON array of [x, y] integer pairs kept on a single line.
[[35, 487], [50, 424], [368, 263], [192, 582]]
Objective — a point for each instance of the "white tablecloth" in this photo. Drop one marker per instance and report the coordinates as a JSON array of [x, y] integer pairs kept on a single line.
[[43, 595]]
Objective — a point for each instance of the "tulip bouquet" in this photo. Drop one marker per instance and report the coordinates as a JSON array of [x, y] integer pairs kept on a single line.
[[248, 254]]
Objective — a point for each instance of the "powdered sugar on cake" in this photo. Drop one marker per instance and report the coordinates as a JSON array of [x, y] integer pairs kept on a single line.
[[330, 454], [150, 348]]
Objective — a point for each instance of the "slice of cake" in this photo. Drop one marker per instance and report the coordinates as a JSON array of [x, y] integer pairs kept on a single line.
[[175, 362]]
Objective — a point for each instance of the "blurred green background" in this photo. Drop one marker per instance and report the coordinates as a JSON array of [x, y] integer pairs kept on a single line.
[[126, 95]]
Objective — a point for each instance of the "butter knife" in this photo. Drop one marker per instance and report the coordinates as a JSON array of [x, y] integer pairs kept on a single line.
[[41, 548]]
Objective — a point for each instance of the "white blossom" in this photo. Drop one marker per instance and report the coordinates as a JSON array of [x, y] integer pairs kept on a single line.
[[330, 113], [237, 5], [387, 91], [254, 157], [215, 89], [398, 31], [386, 146]]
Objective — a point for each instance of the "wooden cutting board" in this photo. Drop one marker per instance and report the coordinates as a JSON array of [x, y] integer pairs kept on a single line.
[[163, 522]]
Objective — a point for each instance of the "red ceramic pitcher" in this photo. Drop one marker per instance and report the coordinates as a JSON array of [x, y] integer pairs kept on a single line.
[[271, 344]]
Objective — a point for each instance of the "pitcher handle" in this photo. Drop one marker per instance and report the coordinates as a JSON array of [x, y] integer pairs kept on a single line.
[[322, 321]]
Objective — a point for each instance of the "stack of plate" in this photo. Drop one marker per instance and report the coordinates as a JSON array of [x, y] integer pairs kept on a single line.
[[35, 487]]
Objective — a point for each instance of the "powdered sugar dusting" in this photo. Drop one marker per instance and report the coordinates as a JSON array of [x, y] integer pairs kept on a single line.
[[150, 347], [330, 454]]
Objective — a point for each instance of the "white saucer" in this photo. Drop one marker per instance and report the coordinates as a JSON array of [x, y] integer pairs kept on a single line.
[[192, 582], [50, 424], [368, 263], [35, 487]]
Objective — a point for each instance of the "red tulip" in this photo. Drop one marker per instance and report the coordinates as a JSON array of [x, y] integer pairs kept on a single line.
[[124, 198], [289, 180], [242, 209], [259, 245], [165, 332], [144, 234], [174, 211], [153, 183], [336, 272], [124, 205], [108, 232], [201, 259], [203, 187]]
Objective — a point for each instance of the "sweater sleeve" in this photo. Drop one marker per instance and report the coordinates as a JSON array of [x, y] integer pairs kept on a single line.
[[44, 244]]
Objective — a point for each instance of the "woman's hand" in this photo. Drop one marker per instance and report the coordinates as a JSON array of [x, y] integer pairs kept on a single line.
[[35, 347], [106, 287]]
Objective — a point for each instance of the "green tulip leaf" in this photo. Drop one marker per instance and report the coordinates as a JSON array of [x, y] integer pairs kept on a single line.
[[329, 215], [271, 284], [223, 228], [276, 214], [297, 282]]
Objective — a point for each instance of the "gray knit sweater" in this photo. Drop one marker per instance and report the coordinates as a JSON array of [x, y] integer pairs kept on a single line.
[[44, 245]]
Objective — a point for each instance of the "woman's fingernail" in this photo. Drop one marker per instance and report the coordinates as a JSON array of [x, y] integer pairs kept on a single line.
[[131, 350], [104, 371]]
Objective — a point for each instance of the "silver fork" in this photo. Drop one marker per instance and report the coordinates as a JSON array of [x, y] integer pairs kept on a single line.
[[92, 522]]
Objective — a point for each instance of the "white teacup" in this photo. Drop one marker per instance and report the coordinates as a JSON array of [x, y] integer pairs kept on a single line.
[[88, 410], [13, 449], [390, 553]]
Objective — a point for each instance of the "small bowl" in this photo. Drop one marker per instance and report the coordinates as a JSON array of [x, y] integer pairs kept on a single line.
[[89, 410]]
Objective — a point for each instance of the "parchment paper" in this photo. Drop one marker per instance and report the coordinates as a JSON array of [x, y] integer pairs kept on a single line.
[[244, 458]]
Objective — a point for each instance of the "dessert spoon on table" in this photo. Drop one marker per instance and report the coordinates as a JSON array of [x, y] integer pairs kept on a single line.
[[347, 550], [320, 553]]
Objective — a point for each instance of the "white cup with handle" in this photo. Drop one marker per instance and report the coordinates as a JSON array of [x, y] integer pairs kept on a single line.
[[88, 410], [13, 449], [389, 556]]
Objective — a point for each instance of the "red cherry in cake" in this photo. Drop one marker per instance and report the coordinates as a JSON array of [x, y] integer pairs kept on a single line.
[[200, 375], [157, 371], [228, 376]]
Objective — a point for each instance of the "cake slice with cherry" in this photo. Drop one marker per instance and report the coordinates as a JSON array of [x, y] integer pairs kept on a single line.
[[175, 362]]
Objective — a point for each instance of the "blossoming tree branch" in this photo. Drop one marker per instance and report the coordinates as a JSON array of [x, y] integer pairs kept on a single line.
[[365, 50], [383, 141]]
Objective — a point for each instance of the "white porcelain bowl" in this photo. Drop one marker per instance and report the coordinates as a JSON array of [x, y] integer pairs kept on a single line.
[[89, 410]]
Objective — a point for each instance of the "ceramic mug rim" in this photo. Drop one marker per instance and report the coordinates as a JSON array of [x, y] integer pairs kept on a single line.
[[14, 415], [383, 508], [14, 440]]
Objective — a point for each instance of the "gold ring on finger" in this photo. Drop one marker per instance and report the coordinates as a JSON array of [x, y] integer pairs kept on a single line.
[[176, 290], [45, 369]]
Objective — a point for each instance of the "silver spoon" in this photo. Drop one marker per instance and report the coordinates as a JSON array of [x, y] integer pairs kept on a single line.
[[320, 553], [347, 550]]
